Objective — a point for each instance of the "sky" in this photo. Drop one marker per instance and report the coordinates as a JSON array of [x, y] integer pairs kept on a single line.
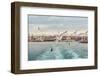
[[42, 23]]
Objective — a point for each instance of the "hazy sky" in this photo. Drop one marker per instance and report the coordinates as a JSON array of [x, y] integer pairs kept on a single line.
[[56, 23]]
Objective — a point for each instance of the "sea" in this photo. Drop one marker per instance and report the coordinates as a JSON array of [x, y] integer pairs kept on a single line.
[[57, 50]]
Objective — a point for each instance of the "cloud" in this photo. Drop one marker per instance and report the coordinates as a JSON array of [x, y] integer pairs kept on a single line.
[[53, 23]]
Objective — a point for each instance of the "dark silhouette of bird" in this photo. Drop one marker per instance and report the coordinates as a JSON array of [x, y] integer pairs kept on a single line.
[[51, 50]]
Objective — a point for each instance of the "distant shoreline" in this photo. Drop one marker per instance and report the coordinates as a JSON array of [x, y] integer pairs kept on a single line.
[[55, 41]]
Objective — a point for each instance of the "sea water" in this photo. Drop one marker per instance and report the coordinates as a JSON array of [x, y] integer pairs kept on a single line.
[[59, 50]]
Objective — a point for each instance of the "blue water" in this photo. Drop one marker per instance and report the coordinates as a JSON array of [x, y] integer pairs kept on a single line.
[[60, 50]]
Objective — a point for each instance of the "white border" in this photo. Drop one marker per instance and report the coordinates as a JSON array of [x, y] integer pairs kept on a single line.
[[25, 64]]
